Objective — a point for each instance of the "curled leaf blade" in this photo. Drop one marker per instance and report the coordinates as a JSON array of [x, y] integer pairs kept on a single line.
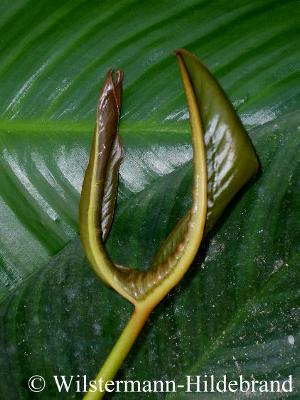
[[223, 159], [98, 196], [111, 187], [98, 199], [230, 157]]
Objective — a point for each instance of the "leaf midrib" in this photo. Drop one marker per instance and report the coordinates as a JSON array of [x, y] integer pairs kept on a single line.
[[62, 126]]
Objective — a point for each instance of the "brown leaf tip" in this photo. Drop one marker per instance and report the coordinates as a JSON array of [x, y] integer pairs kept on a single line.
[[111, 92]]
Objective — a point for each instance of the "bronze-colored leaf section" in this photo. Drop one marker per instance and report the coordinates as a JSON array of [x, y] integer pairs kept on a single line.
[[99, 191], [111, 187]]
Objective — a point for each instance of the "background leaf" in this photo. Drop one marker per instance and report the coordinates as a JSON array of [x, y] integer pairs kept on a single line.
[[54, 57], [235, 312]]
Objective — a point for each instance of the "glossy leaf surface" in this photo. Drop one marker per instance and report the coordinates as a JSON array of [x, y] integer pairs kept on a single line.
[[233, 317], [50, 72], [230, 158], [54, 55]]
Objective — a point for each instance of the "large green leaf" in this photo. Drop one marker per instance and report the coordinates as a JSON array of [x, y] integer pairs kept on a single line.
[[54, 56], [53, 59], [235, 312]]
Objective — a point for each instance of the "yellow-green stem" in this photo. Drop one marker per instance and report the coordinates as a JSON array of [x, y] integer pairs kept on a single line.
[[119, 351]]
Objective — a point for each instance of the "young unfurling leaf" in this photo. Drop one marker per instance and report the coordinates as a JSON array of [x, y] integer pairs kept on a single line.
[[223, 160]]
